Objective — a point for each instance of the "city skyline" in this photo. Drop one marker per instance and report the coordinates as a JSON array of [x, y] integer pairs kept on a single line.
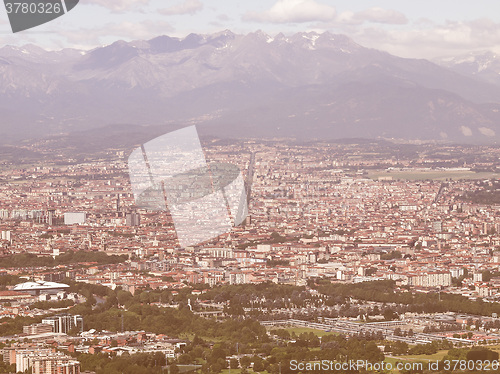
[[264, 199]]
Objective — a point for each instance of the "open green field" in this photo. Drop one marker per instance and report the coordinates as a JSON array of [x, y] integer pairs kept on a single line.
[[394, 361], [300, 330], [190, 337], [431, 174], [495, 347], [238, 371], [434, 357], [186, 368], [414, 359]]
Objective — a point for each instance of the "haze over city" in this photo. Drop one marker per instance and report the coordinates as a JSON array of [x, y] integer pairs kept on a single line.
[[274, 187]]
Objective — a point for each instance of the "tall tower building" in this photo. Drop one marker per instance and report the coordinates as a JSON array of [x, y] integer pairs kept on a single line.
[[133, 219], [50, 220]]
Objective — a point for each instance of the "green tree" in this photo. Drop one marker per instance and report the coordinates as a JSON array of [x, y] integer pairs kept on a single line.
[[233, 363], [245, 361], [258, 364], [173, 369]]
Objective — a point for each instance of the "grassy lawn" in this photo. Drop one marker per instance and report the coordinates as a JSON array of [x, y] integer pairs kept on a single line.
[[431, 174], [495, 347], [190, 337], [186, 335], [300, 330], [436, 356], [415, 358], [238, 371], [185, 368], [394, 361]]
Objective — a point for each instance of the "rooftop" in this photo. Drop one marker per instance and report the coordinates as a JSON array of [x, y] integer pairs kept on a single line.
[[39, 285]]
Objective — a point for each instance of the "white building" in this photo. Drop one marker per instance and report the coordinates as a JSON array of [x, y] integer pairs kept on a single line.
[[432, 279], [74, 218]]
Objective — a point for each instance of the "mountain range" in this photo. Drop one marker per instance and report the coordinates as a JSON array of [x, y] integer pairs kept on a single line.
[[304, 86], [484, 65]]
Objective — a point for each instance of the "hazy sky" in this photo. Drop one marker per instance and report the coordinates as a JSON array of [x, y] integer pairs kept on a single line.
[[408, 28]]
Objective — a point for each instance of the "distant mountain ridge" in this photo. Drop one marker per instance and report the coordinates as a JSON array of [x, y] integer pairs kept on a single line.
[[484, 65], [306, 86]]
